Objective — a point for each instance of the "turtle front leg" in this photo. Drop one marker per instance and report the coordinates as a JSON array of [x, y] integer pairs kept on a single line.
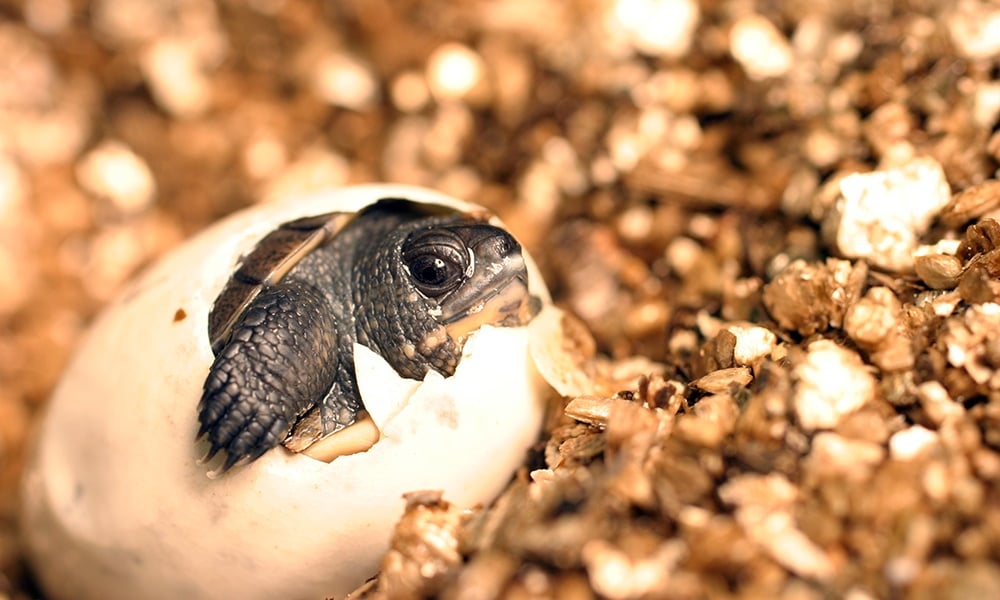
[[279, 362]]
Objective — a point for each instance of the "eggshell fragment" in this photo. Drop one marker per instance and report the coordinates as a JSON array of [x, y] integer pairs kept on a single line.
[[115, 504]]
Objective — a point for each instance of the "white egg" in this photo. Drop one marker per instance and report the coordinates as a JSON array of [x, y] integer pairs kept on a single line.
[[116, 504]]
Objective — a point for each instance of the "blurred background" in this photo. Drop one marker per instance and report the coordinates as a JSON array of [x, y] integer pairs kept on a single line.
[[661, 158]]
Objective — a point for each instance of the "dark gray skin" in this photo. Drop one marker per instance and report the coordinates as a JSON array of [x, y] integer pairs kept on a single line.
[[391, 279]]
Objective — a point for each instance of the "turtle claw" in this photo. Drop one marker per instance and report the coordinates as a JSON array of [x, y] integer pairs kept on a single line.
[[232, 460], [206, 458], [233, 456], [242, 446], [218, 471], [203, 430]]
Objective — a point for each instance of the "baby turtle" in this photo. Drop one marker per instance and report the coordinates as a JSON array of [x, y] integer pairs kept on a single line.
[[408, 280]]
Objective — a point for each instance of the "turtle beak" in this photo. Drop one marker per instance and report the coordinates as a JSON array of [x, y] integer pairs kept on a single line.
[[495, 292]]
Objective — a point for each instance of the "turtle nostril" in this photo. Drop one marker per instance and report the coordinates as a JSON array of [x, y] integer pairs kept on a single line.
[[500, 246]]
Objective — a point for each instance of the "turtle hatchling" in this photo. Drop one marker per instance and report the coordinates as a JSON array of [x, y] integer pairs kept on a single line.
[[401, 278], [244, 420]]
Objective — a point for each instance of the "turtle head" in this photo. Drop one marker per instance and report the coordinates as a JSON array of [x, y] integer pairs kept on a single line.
[[426, 281], [473, 274]]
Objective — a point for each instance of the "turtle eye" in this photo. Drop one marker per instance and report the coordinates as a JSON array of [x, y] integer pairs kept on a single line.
[[436, 263]]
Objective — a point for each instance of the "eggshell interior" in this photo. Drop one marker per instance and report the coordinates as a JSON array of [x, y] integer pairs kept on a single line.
[[115, 504]]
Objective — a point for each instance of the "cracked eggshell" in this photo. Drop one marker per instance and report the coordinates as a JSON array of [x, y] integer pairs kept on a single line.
[[115, 504]]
